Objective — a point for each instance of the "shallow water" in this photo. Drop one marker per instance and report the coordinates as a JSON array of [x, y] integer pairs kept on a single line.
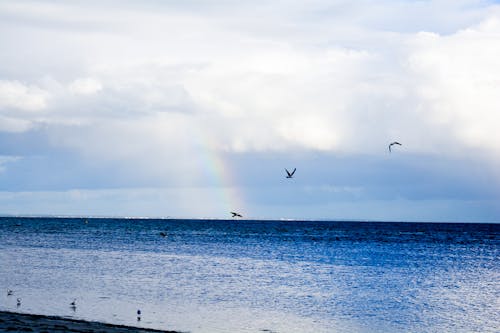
[[255, 276]]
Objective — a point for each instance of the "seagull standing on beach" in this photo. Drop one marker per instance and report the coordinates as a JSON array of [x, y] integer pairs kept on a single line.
[[139, 315], [290, 174], [392, 144], [236, 214]]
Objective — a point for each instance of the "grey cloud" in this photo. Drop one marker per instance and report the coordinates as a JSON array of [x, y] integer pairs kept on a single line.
[[146, 94]]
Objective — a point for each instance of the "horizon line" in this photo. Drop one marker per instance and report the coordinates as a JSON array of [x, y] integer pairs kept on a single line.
[[69, 216]]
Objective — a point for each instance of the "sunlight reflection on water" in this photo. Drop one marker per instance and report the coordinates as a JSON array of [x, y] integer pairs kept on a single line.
[[277, 276]]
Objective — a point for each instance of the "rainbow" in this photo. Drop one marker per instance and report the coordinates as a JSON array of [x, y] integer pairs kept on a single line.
[[218, 171]]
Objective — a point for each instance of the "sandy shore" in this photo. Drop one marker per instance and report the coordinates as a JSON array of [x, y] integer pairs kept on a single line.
[[18, 322]]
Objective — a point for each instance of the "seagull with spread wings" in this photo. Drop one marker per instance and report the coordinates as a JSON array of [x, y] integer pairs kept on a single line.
[[290, 174], [392, 144]]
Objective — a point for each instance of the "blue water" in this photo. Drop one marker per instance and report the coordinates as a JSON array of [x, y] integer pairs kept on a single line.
[[255, 276]]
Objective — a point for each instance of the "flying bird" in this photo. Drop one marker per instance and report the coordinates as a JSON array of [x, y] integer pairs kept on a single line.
[[18, 302], [10, 292], [236, 214], [162, 234], [392, 144], [290, 174]]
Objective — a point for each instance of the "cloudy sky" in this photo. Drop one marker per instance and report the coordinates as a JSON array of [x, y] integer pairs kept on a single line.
[[195, 108]]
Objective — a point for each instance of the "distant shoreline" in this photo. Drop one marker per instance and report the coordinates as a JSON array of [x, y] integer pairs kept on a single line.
[[22, 322]]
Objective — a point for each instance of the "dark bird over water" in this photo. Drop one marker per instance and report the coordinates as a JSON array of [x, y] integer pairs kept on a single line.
[[236, 214], [392, 144], [290, 174]]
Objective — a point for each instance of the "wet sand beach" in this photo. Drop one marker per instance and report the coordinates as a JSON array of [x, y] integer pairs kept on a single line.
[[19, 322]]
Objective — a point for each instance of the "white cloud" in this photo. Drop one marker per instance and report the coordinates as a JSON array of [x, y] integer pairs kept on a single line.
[[16, 95], [325, 76], [85, 86], [457, 81], [310, 132]]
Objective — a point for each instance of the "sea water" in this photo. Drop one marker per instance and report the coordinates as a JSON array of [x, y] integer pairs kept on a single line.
[[255, 276]]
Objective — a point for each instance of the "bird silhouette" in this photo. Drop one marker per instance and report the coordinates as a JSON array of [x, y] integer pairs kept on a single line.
[[10, 292], [162, 234], [392, 144], [236, 214], [290, 174]]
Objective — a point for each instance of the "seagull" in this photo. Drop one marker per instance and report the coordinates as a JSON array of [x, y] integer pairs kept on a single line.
[[138, 315], [72, 305], [290, 175], [9, 292], [394, 143], [18, 302], [236, 214]]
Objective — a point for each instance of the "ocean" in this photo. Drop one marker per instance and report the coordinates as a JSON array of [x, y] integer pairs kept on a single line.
[[255, 276]]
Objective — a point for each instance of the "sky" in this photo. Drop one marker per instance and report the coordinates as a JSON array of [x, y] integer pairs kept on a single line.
[[193, 109]]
